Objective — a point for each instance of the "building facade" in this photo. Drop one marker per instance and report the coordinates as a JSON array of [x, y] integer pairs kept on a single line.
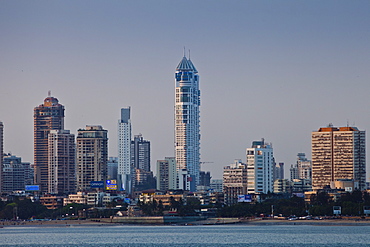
[[92, 156], [62, 162], [187, 127], [140, 160], [338, 153], [14, 173], [166, 174], [234, 181], [125, 169], [279, 171], [47, 116], [113, 168], [216, 185], [260, 165], [140, 153]]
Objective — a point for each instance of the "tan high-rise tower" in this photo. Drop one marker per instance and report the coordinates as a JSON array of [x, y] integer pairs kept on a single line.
[[48, 116], [92, 156], [62, 162], [338, 153]]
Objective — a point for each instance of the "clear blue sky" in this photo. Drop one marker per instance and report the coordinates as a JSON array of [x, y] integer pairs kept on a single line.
[[271, 69]]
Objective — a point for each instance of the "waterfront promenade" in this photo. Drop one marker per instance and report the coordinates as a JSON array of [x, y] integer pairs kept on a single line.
[[209, 221]]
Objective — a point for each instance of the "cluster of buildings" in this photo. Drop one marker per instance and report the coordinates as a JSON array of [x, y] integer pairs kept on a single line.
[[65, 164], [69, 168], [338, 165]]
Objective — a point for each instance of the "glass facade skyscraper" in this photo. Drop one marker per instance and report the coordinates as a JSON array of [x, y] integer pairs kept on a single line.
[[187, 127]]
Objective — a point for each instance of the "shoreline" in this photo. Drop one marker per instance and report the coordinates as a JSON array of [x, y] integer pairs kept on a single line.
[[54, 223], [219, 221], [323, 222]]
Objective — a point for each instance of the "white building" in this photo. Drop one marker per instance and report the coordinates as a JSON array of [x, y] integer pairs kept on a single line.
[[125, 169], [260, 165], [187, 128]]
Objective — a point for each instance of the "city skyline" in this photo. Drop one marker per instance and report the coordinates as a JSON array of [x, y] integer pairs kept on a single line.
[[274, 70]]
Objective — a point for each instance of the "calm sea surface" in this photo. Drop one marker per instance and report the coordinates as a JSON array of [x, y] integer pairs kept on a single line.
[[220, 235]]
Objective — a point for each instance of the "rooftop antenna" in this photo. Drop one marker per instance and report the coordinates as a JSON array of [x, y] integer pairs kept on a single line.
[[184, 51], [49, 93], [347, 123], [189, 54]]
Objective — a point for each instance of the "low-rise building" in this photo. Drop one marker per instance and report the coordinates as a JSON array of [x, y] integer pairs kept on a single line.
[[52, 201]]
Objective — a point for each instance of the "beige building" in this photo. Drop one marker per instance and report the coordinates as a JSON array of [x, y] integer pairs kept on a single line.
[[166, 174], [61, 162], [234, 181], [47, 116], [92, 156], [79, 198], [338, 153]]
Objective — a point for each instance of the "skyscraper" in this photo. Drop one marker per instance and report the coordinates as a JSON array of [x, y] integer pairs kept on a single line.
[[62, 162], [1, 154], [140, 153], [187, 127], [338, 153], [92, 155], [260, 165], [125, 169], [48, 116]]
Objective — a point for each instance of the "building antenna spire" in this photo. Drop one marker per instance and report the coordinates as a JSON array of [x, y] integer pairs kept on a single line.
[[49, 93], [184, 51], [189, 54]]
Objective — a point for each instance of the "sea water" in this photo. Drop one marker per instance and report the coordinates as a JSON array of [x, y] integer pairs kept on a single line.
[[215, 235]]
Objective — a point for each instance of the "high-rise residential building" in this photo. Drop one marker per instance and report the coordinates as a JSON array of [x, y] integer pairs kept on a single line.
[[92, 156], [140, 160], [16, 174], [294, 171], [47, 116], [62, 162], [338, 153], [260, 165], [167, 174], [187, 127], [140, 153], [1, 154], [125, 168], [279, 171], [301, 169], [234, 181]]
